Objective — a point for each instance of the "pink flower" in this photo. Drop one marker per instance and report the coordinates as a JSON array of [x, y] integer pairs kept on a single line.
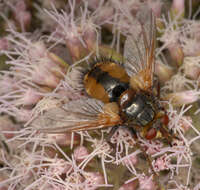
[[163, 71], [146, 183], [130, 186], [191, 67], [4, 44], [79, 34], [7, 127], [80, 153], [153, 147], [178, 6], [58, 167], [29, 97], [130, 159], [184, 97], [93, 180], [161, 163], [21, 14]]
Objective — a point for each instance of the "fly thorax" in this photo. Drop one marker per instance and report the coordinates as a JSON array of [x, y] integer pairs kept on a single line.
[[137, 108]]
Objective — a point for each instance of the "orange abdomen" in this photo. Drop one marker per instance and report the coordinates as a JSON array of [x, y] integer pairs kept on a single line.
[[106, 81]]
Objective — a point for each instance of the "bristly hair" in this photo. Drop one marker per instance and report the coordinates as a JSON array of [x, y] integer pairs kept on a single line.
[[103, 59], [92, 62]]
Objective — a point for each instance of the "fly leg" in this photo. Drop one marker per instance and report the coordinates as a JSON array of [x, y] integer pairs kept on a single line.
[[168, 135], [138, 145], [147, 157], [111, 133]]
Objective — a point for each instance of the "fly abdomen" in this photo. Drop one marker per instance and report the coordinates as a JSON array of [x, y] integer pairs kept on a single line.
[[106, 81]]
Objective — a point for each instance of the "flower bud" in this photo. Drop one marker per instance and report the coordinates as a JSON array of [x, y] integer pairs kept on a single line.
[[29, 97], [133, 185], [37, 50], [178, 8], [185, 122], [155, 6], [154, 147], [93, 4], [161, 163], [163, 71], [44, 60], [53, 67], [90, 37], [146, 183], [59, 167], [105, 13], [20, 5], [93, 179], [132, 159], [21, 14], [176, 53], [76, 48], [24, 19], [80, 153], [42, 76], [3, 178], [4, 44], [7, 127], [191, 67], [181, 98], [23, 115], [7, 84]]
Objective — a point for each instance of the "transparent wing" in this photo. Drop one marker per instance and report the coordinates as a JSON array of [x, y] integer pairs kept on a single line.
[[77, 115], [139, 49]]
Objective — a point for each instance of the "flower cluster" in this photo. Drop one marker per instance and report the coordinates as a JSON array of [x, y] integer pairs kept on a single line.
[[45, 48]]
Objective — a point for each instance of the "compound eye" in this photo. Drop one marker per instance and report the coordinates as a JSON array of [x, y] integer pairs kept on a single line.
[[151, 134]]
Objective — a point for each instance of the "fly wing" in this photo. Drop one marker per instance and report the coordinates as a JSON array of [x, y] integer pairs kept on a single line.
[[139, 50], [77, 115]]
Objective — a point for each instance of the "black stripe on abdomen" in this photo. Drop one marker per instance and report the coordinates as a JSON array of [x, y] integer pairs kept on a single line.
[[113, 86]]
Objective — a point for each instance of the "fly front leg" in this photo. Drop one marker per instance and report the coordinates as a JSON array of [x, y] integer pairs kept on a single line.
[[111, 133], [147, 157]]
